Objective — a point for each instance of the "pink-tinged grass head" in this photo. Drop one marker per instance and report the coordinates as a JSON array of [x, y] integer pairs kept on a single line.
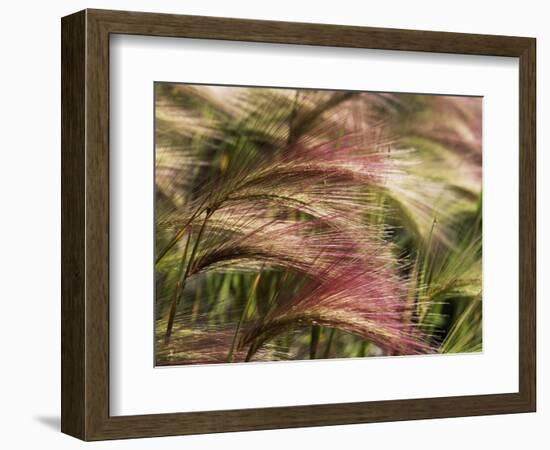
[[366, 299]]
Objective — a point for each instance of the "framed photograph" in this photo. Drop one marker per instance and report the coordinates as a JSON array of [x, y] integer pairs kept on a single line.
[[273, 225]]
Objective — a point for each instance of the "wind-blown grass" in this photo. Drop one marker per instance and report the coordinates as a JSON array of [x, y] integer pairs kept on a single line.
[[298, 224]]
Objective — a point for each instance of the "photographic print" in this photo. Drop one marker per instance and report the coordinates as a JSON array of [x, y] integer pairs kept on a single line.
[[300, 224]]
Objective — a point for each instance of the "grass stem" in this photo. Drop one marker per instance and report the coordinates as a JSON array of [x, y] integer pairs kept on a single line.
[[181, 284], [177, 291], [329, 343], [315, 335], [243, 315]]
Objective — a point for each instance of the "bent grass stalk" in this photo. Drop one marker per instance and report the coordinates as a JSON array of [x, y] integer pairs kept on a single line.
[[424, 273], [457, 327], [172, 312], [243, 315], [184, 279], [181, 232]]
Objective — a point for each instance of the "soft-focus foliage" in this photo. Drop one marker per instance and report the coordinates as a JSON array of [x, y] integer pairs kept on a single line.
[[297, 224]]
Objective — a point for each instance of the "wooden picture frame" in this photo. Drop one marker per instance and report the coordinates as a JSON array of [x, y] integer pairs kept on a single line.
[[85, 224]]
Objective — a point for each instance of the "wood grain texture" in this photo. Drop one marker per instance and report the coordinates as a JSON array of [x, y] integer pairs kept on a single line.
[[73, 111], [527, 224], [85, 224]]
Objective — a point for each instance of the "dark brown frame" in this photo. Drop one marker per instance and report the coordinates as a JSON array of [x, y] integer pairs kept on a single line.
[[85, 224]]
